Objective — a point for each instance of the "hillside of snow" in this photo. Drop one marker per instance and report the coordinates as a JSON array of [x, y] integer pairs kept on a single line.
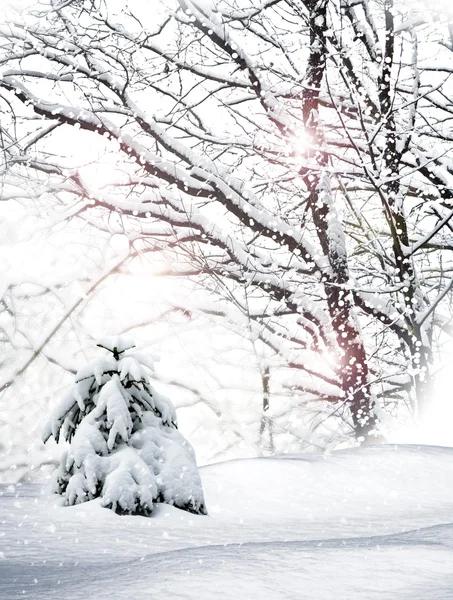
[[365, 524]]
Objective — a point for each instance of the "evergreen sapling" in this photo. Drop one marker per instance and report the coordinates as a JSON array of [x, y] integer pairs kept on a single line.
[[125, 447]]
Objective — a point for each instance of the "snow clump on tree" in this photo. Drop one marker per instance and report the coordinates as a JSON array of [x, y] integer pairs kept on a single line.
[[125, 447]]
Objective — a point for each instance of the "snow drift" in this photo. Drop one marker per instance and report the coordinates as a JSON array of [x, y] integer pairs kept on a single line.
[[368, 524]]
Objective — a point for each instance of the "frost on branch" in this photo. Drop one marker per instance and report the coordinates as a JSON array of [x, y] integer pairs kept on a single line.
[[125, 447]]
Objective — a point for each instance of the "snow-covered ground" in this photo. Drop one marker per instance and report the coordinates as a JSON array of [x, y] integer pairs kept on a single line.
[[371, 523]]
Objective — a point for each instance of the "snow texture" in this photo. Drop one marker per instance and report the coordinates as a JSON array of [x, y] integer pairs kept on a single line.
[[364, 524], [124, 444]]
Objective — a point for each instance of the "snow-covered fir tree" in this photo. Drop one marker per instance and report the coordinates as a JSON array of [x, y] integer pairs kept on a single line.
[[125, 447]]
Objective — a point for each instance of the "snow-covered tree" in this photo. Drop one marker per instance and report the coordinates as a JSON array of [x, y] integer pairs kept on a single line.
[[295, 152], [125, 447]]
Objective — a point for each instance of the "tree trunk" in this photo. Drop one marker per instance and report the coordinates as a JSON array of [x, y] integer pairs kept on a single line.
[[353, 364]]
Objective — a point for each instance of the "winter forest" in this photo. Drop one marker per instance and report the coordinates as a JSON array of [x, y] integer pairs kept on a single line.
[[226, 231]]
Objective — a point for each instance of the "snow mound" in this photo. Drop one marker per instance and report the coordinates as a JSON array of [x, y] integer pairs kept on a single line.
[[377, 488]]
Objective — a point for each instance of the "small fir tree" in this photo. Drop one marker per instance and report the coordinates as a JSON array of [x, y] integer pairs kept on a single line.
[[125, 447]]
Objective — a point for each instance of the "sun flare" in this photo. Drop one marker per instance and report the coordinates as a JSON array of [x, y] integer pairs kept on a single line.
[[300, 143]]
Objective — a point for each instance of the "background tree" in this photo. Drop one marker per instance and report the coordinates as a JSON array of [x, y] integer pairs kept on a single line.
[[294, 159]]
